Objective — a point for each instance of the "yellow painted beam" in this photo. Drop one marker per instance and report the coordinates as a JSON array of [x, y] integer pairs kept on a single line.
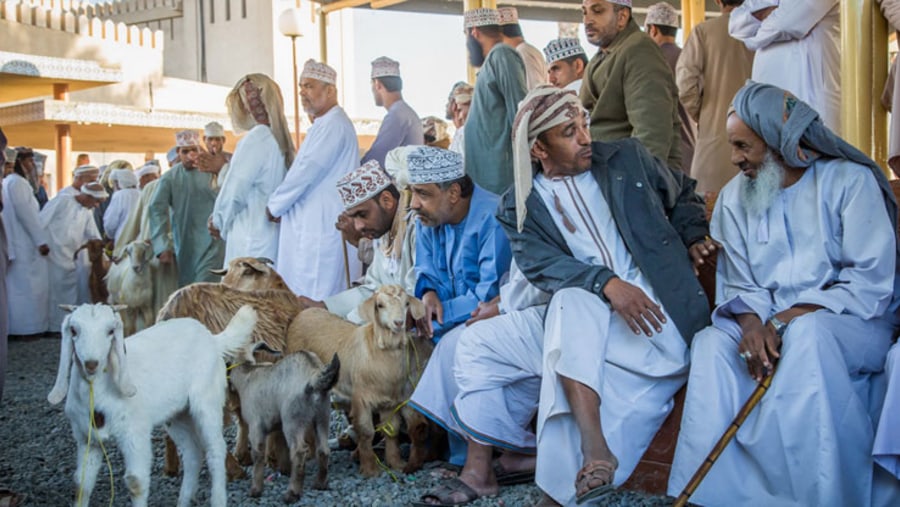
[[693, 12], [342, 4], [381, 4]]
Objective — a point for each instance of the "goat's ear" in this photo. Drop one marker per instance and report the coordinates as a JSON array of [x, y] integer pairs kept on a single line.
[[367, 309], [67, 309], [263, 355], [256, 265], [61, 386], [416, 308], [265, 260], [219, 272], [118, 362]]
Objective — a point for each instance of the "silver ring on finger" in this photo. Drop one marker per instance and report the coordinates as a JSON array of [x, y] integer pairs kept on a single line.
[[746, 355]]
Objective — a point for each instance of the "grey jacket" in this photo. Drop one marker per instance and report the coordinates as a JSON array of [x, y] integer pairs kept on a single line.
[[658, 215]]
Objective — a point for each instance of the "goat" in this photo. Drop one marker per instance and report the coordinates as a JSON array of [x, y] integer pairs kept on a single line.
[[376, 361], [291, 396], [163, 379], [130, 283], [251, 273], [214, 304], [99, 267]]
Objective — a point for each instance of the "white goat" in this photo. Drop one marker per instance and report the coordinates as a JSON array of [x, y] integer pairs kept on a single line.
[[164, 378], [130, 283], [291, 396]]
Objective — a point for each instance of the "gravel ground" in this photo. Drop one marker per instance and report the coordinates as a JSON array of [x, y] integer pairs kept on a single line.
[[37, 457]]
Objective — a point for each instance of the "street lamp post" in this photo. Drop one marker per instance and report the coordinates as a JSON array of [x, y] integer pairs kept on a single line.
[[289, 26]]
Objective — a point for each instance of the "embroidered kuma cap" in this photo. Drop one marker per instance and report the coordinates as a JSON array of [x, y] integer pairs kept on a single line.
[[362, 184], [662, 14], [427, 164], [385, 67], [319, 71], [481, 17], [562, 48]]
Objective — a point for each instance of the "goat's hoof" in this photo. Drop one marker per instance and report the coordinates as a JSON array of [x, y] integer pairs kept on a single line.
[[244, 458], [170, 472], [236, 475], [291, 497], [369, 472], [412, 468], [320, 485], [255, 493]]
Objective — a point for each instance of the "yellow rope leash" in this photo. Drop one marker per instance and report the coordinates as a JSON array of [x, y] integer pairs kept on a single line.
[[387, 469], [91, 428]]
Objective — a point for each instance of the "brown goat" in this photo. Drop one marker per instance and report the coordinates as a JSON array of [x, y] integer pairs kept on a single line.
[[251, 273], [99, 267]]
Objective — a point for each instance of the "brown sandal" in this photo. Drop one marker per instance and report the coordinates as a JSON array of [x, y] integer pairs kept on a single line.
[[601, 471]]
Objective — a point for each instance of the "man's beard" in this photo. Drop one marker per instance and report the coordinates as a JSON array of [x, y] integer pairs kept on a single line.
[[476, 52], [758, 194]]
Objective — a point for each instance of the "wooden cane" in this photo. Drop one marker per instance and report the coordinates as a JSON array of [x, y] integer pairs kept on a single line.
[[346, 262], [723, 442]]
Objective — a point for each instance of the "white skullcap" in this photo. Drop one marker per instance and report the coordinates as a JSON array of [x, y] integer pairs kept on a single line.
[[362, 184], [427, 164], [481, 17], [214, 129], [124, 177], [508, 15], [187, 138], [562, 48], [385, 67], [82, 169], [319, 71], [662, 14], [148, 168], [95, 190]]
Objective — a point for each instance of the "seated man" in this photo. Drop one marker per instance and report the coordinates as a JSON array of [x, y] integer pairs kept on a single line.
[[610, 233], [461, 255], [807, 278], [377, 209]]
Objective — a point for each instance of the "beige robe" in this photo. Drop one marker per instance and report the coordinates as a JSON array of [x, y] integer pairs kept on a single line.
[[712, 68]]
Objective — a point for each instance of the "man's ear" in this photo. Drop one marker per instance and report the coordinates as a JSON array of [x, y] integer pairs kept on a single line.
[[539, 151], [387, 201]]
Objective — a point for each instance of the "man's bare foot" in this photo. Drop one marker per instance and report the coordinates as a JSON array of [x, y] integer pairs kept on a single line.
[[546, 501]]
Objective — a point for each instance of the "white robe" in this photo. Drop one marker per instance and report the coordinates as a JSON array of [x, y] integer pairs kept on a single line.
[[575, 86], [69, 225], [809, 440], [310, 254], [634, 376], [121, 204], [255, 171], [27, 284], [886, 449], [458, 143], [797, 48]]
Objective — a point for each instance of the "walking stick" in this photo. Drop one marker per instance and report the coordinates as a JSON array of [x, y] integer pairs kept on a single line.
[[729, 434], [346, 262]]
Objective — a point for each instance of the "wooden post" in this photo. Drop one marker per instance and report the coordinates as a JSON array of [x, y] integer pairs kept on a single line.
[[323, 36], [470, 71], [63, 142], [693, 12], [295, 92], [879, 76]]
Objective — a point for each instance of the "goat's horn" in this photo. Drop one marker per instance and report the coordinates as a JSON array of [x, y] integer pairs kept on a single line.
[[265, 260], [82, 247], [219, 272]]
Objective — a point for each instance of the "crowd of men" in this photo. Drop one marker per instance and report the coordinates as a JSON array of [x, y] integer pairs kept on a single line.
[[555, 241]]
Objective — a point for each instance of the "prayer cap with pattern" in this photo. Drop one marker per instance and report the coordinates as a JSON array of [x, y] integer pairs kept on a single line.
[[187, 138], [149, 168], [662, 14], [362, 184], [82, 169], [214, 129], [95, 190], [481, 17], [385, 67], [427, 164], [508, 15], [319, 71], [562, 48]]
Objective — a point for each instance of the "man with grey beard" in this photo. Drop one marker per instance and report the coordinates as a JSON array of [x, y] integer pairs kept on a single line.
[[807, 279]]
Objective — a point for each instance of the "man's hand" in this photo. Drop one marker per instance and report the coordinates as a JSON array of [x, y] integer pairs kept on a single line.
[[167, 257], [210, 162], [215, 233], [639, 311], [348, 231], [485, 311], [44, 250], [271, 217], [434, 310], [310, 303], [700, 250], [759, 345]]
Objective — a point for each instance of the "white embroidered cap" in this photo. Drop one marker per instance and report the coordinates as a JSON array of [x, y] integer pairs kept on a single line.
[[95, 190], [562, 48], [428, 164], [124, 177], [508, 15], [148, 168], [319, 71], [662, 14], [362, 184], [385, 67], [481, 17], [82, 169], [187, 138], [214, 129]]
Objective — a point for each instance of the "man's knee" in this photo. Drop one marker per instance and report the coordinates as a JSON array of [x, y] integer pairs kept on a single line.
[[711, 344], [807, 333]]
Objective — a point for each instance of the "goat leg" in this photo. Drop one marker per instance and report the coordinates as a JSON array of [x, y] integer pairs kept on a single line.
[[299, 450], [91, 467], [319, 435], [278, 454], [258, 450], [361, 419], [417, 429], [391, 447]]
